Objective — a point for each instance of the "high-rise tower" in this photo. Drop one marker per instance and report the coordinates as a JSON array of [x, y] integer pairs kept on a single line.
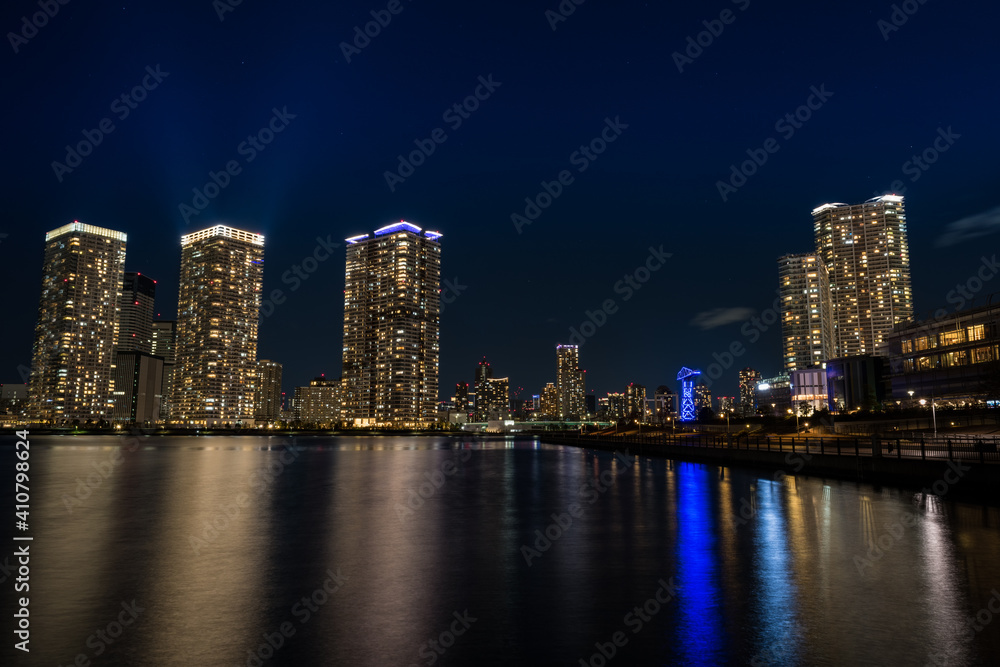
[[865, 249], [392, 314], [806, 311], [135, 320], [76, 333], [217, 318], [569, 382]]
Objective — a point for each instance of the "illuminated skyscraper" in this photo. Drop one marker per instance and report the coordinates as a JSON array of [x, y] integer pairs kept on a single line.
[[484, 372], [165, 347], [217, 318], [77, 329], [865, 249], [135, 319], [461, 398], [495, 399], [749, 379], [548, 402], [392, 306], [635, 401], [570, 382], [268, 401], [806, 311]]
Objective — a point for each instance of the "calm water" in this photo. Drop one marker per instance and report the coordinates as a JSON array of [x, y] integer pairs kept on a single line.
[[364, 551]]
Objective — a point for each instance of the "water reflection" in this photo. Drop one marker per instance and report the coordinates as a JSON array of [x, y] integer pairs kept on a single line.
[[218, 540]]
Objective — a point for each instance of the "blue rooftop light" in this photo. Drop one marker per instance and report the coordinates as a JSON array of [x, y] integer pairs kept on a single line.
[[401, 226]]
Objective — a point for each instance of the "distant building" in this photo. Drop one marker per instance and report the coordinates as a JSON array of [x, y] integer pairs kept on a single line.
[[570, 382], [13, 399], [135, 323], [865, 249], [461, 399], [495, 399], [320, 404], [392, 320], [617, 406], [268, 398], [635, 402], [856, 383], [590, 401], [749, 379], [218, 312], [702, 396], [484, 372], [775, 395], [954, 359], [165, 347], [665, 404], [549, 403], [808, 386], [726, 404], [77, 328], [138, 383], [806, 311]]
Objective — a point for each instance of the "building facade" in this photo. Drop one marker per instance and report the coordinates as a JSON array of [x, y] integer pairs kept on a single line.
[[392, 316], [806, 311], [775, 394], [856, 383], [77, 330], [138, 386], [635, 401], [494, 401], [268, 402], [165, 347], [953, 360], [809, 390], [866, 253], [320, 404], [749, 379], [135, 321], [548, 402], [484, 372], [218, 307], [570, 382]]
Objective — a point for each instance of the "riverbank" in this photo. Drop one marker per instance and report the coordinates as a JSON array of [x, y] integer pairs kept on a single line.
[[959, 478]]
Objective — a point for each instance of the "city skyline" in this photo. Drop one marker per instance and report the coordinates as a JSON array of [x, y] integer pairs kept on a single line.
[[318, 169]]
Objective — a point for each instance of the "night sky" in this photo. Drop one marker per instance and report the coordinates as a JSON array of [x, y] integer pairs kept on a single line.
[[886, 94]]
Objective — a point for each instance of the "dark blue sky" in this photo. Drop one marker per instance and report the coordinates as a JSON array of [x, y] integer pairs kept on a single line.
[[655, 185]]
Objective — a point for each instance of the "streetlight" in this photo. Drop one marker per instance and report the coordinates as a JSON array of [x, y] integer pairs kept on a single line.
[[796, 420], [923, 401]]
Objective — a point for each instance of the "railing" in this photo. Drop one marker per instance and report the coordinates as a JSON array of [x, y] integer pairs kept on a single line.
[[970, 448]]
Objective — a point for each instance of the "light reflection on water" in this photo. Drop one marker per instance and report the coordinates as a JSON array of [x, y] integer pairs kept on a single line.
[[221, 541]]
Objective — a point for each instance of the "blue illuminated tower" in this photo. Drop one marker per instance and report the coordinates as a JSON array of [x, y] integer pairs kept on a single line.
[[687, 377]]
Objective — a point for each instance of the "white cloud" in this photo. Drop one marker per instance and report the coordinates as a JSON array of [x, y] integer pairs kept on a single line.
[[982, 224], [710, 319]]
